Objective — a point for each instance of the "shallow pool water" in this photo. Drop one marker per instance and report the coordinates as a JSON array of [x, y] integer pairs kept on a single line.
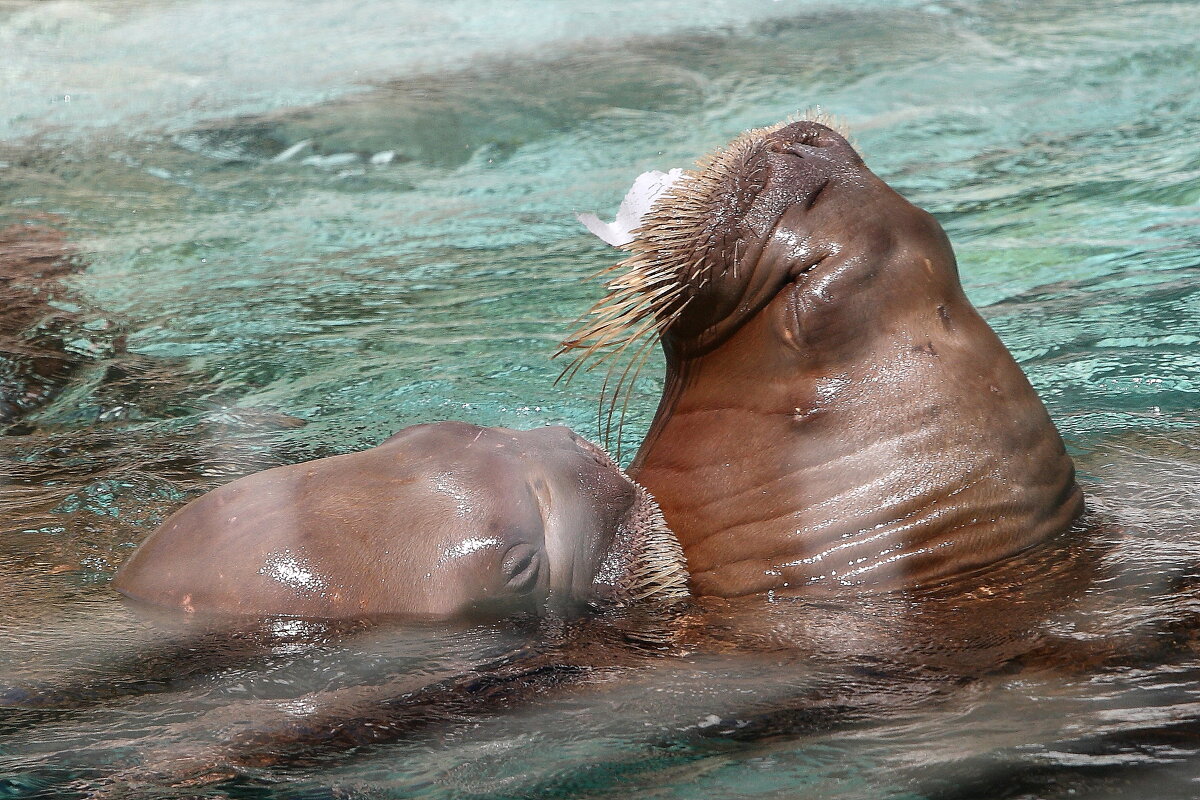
[[287, 229]]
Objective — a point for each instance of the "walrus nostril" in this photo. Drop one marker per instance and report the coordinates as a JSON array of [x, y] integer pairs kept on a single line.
[[804, 133], [813, 137]]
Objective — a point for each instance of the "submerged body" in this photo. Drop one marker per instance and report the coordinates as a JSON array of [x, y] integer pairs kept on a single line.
[[440, 520], [836, 414]]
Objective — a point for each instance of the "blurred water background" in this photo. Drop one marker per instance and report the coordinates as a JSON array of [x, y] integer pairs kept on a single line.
[[288, 229]]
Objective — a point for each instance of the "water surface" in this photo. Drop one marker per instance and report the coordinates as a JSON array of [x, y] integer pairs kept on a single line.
[[291, 229]]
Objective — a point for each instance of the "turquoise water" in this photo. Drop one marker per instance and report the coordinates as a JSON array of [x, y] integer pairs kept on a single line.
[[297, 227]]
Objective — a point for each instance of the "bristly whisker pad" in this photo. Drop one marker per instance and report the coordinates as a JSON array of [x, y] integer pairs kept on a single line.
[[672, 257]]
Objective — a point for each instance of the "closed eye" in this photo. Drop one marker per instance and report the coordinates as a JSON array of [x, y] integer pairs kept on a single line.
[[522, 566]]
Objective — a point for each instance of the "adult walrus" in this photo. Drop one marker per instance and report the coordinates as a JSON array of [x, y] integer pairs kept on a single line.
[[836, 415], [445, 519]]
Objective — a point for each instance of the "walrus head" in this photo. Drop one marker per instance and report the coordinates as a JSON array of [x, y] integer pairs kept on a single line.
[[835, 413], [752, 218], [442, 520]]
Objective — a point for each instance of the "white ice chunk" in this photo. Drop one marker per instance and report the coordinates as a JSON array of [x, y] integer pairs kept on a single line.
[[647, 188]]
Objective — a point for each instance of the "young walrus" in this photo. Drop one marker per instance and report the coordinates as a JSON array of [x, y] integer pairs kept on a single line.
[[836, 416], [441, 520]]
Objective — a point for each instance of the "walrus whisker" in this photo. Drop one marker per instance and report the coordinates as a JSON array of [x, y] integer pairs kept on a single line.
[[601, 333], [640, 359], [642, 297], [624, 342], [606, 432], [603, 271], [672, 256], [615, 333], [660, 571], [620, 308], [613, 356], [612, 406], [602, 340], [632, 310], [583, 359]]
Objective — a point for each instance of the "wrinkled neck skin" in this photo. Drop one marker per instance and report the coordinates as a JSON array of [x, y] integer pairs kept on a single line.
[[855, 425]]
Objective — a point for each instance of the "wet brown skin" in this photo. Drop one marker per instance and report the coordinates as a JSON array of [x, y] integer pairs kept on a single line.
[[446, 519], [836, 415]]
